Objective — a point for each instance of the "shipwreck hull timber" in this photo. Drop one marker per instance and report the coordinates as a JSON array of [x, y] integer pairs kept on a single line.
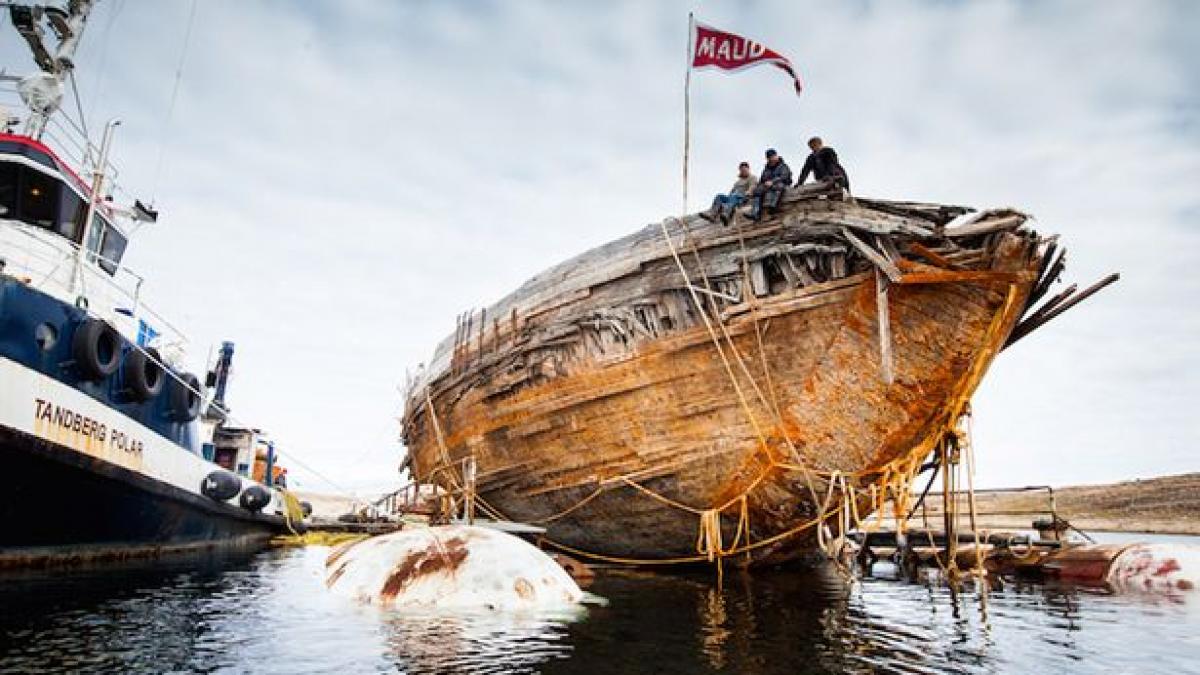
[[595, 399]]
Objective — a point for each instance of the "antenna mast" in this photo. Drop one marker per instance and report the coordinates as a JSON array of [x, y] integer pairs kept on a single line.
[[43, 92]]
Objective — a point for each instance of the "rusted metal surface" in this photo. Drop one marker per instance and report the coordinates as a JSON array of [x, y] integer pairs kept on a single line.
[[1088, 564], [599, 374], [1139, 568], [451, 566], [438, 557], [1162, 568]]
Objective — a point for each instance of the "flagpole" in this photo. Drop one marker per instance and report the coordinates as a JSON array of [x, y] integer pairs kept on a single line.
[[687, 109]]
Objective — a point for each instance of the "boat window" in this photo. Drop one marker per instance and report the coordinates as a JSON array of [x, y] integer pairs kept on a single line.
[[31, 196], [71, 213], [39, 199], [95, 237], [106, 245], [9, 177], [112, 249]]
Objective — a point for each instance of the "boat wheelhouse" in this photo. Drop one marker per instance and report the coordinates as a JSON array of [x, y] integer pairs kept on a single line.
[[108, 442]]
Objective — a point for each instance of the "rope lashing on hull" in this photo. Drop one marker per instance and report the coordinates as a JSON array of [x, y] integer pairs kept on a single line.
[[708, 324], [441, 439], [571, 509], [892, 481], [709, 543], [748, 293], [845, 491], [708, 540], [843, 496]]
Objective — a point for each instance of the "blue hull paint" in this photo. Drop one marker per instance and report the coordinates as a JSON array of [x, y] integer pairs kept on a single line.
[[61, 506], [23, 309]]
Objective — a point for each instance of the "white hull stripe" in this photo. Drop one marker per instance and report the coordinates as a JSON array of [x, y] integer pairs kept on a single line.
[[43, 407]]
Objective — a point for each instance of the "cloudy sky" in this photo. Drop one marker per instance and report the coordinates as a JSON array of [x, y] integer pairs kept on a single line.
[[340, 179]]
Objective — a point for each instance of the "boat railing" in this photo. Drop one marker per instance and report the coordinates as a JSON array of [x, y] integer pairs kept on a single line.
[[428, 497], [48, 261], [1048, 515], [64, 135]]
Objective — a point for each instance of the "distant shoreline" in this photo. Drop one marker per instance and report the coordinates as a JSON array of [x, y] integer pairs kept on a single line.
[[1164, 505]]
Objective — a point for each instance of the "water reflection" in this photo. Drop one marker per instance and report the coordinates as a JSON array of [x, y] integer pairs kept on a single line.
[[269, 613], [487, 642], [819, 622]]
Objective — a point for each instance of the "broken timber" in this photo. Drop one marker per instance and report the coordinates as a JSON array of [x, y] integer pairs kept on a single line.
[[630, 398]]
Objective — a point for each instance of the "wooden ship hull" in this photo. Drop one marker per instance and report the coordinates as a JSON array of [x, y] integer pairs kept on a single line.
[[696, 391]]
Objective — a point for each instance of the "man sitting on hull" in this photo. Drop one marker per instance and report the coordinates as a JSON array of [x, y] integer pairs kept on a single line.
[[774, 181], [823, 164], [723, 205]]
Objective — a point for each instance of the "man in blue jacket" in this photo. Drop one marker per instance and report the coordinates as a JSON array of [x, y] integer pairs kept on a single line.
[[775, 179]]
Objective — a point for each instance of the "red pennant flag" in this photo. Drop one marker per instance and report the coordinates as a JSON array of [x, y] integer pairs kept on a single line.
[[727, 51]]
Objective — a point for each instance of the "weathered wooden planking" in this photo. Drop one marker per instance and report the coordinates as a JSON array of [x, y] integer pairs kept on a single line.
[[883, 321], [805, 219], [595, 393], [670, 416], [986, 226], [883, 264]]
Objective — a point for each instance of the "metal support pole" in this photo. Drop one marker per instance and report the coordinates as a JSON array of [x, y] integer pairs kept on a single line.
[[269, 478], [469, 497], [1054, 515], [687, 110], [96, 196], [948, 497]]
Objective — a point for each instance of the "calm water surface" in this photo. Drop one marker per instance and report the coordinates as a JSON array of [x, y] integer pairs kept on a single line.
[[268, 613]]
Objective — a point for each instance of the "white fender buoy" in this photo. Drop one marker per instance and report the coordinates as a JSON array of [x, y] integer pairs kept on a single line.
[[1156, 568], [456, 566]]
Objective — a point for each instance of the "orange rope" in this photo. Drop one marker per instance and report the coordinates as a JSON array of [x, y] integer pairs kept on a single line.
[[894, 477]]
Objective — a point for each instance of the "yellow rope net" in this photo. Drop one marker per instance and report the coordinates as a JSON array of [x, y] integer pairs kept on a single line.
[[293, 511]]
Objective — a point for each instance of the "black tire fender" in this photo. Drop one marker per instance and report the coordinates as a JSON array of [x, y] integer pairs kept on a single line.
[[144, 376], [96, 348], [186, 398], [255, 498], [220, 485]]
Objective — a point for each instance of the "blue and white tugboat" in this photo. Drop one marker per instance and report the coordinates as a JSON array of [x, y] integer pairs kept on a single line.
[[109, 448]]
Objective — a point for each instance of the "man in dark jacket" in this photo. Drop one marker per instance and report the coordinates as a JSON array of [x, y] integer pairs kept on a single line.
[[823, 164], [775, 179]]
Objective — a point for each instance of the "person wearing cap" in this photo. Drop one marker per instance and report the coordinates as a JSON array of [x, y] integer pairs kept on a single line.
[[824, 165], [723, 205], [775, 179]]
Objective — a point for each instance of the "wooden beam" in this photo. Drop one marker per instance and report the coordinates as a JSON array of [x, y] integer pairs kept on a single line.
[[935, 258], [482, 329], [872, 255], [1048, 276], [715, 294], [886, 246], [968, 277], [1033, 323], [885, 327], [986, 226], [1054, 302], [758, 279]]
